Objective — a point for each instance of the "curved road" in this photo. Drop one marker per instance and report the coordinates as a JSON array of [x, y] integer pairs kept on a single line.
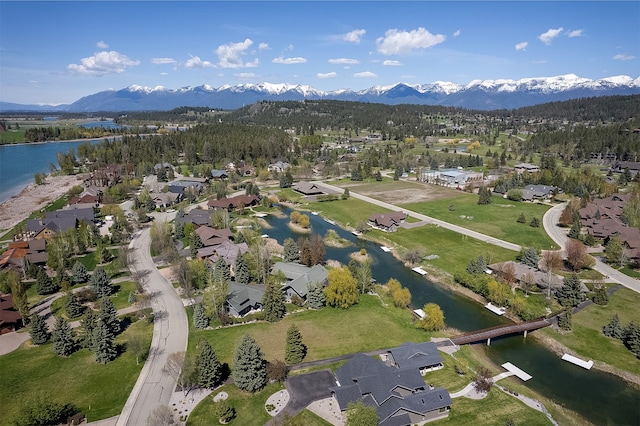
[[170, 333], [558, 234], [455, 228]]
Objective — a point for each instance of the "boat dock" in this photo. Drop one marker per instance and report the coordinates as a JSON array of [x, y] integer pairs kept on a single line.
[[515, 370], [498, 310], [577, 361], [419, 270]]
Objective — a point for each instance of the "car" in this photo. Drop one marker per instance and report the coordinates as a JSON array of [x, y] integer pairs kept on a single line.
[[171, 210]]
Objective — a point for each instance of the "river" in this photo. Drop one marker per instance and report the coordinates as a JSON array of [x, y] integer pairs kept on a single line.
[[600, 397], [19, 163]]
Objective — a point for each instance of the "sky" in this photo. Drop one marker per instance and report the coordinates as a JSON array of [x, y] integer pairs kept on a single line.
[[57, 52]]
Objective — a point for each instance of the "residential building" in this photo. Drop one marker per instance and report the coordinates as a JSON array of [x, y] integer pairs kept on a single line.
[[300, 278], [526, 167], [424, 356], [10, 319], [388, 222]]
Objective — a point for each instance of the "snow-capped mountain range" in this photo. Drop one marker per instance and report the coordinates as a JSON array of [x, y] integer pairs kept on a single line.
[[478, 94]]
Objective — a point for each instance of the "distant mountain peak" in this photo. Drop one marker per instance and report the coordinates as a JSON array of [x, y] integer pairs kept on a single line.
[[477, 94]]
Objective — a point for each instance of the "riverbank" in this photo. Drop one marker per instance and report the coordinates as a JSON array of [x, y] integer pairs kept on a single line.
[[34, 197]]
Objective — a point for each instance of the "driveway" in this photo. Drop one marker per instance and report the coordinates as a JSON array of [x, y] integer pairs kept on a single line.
[[303, 390]]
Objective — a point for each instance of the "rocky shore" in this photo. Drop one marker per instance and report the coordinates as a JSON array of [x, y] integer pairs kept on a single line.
[[34, 197]]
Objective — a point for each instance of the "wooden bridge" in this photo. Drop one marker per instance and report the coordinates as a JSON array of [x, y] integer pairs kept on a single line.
[[501, 330]]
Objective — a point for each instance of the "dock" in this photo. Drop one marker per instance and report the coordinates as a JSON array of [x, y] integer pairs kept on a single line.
[[419, 270], [329, 221], [577, 361], [385, 249], [515, 370], [498, 310]]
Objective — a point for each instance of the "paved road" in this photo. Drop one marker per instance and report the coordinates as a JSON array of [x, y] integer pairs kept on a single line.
[[558, 234], [430, 220], [170, 333]]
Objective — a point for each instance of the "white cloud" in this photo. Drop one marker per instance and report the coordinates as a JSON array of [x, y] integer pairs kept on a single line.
[[551, 33], [263, 46], [622, 57], [163, 61], [196, 62], [575, 33], [396, 42], [327, 75], [245, 75], [102, 45], [365, 74], [457, 33], [289, 61], [344, 61], [392, 63], [230, 55], [522, 45], [539, 62], [102, 63], [354, 36]]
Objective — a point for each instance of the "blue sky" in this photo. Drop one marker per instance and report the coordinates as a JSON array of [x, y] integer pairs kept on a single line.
[[57, 52]]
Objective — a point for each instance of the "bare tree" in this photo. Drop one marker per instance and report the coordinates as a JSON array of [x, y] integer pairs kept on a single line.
[[182, 369], [551, 260], [509, 274], [528, 282], [161, 416], [483, 381], [576, 253]]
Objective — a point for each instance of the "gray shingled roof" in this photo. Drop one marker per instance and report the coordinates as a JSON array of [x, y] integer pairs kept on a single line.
[[301, 277], [416, 355]]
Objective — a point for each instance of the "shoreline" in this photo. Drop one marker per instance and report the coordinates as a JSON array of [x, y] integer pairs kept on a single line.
[[32, 198]]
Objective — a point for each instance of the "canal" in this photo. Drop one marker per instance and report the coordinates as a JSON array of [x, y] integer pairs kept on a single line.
[[602, 398]]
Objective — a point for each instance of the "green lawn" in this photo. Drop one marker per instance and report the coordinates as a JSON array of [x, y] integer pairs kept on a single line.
[[496, 409], [587, 339], [346, 212], [498, 219], [327, 332], [454, 250], [250, 408], [99, 391], [89, 261]]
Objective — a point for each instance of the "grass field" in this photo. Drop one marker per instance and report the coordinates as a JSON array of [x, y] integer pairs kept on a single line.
[[587, 339], [327, 332], [498, 219], [99, 391]]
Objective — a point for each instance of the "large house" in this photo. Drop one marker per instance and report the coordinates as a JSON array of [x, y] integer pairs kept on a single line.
[[58, 221], [399, 395], [300, 278], [244, 299], [308, 188], [424, 356], [388, 222], [452, 177], [520, 270], [198, 217], [526, 167], [231, 203], [10, 319], [538, 192]]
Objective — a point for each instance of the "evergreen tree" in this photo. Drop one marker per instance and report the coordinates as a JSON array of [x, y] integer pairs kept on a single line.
[[484, 196], [249, 366], [195, 243], [79, 273], [73, 307], [295, 350], [221, 270], [522, 218], [63, 338], [88, 327], [100, 283], [564, 320], [200, 319], [44, 284], [241, 270], [105, 347], [614, 328], [530, 257], [109, 316], [273, 303], [570, 294], [291, 251], [600, 296], [631, 338], [477, 266], [535, 222], [574, 232], [316, 298], [208, 367], [132, 298], [39, 330]]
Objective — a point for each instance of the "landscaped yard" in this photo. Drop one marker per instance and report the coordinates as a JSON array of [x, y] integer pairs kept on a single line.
[[327, 332], [99, 391], [587, 339]]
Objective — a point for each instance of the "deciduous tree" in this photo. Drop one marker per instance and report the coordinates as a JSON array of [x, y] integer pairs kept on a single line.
[[342, 290], [433, 318], [576, 253]]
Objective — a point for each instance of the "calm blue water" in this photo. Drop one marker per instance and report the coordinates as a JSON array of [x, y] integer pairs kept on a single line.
[[19, 163], [600, 397]]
